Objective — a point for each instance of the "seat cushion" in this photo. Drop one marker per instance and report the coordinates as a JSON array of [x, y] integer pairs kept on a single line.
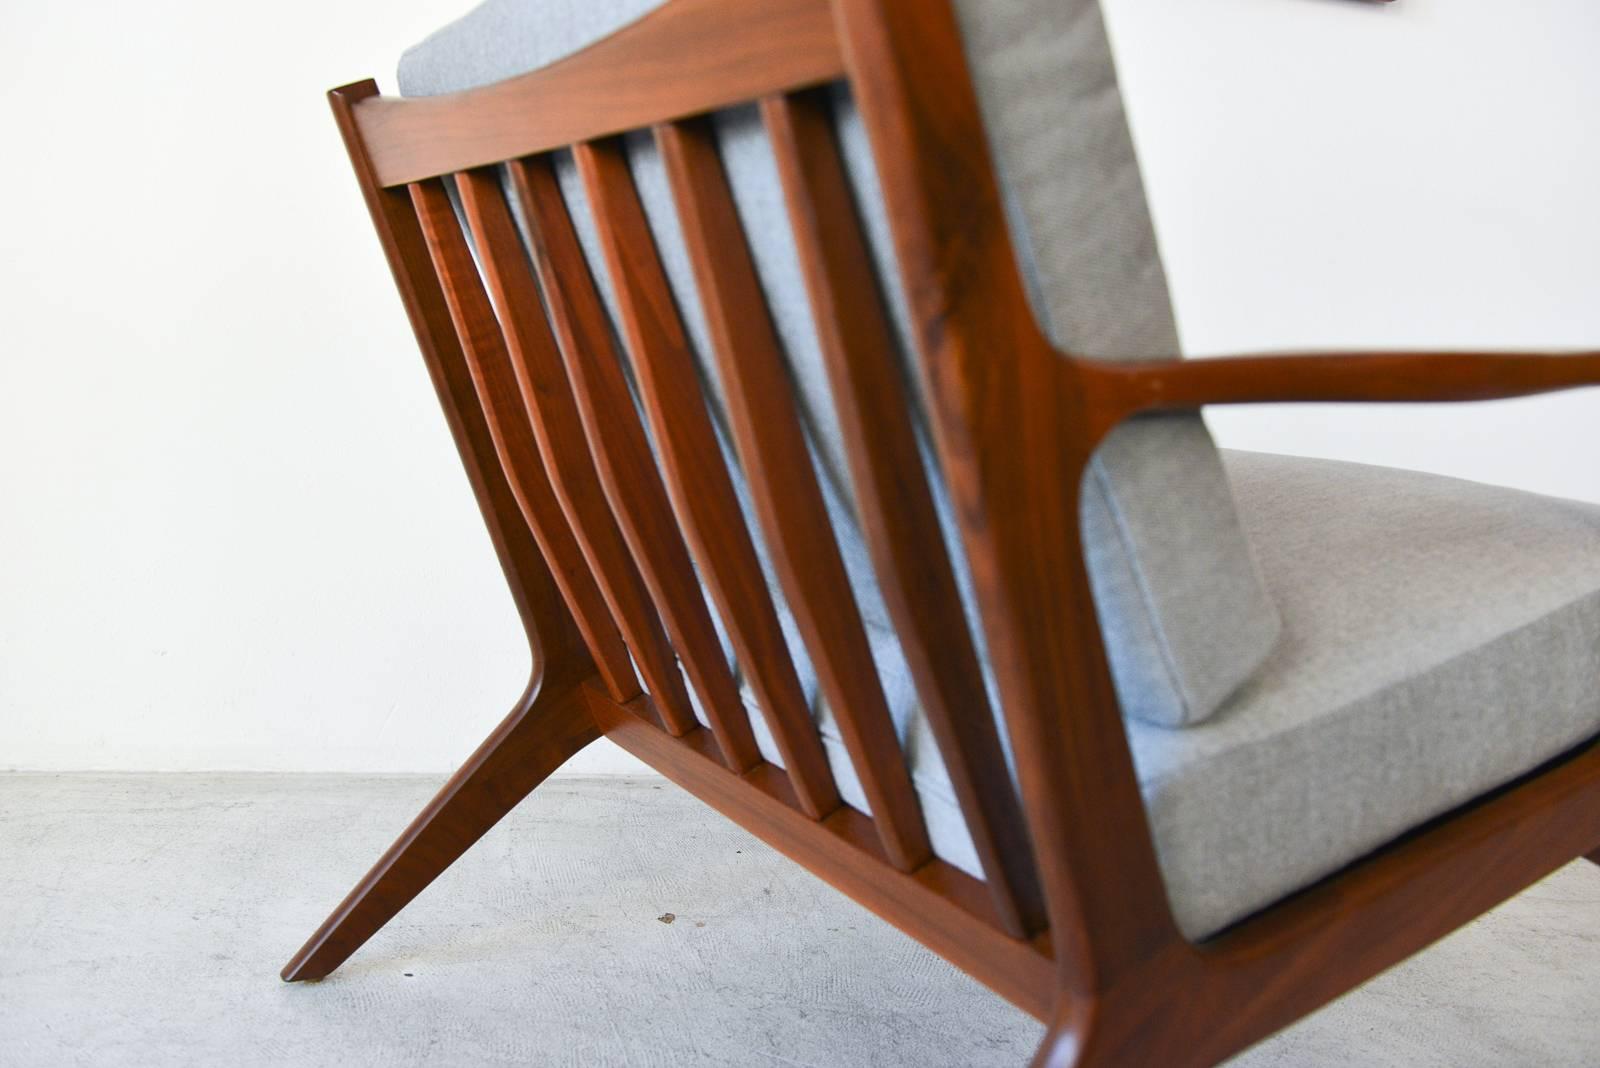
[[1441, 638], [1165, 550]]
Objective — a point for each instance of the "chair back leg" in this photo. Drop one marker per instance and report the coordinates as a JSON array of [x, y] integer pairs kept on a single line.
[[547, 726]]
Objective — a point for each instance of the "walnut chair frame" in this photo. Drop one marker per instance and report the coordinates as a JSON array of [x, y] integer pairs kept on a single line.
[[600, 541]]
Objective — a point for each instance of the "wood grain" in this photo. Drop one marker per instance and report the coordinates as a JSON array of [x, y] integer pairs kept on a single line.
[[546, 728], [939, 905], [692, 462], [684, 58], [590, 521], [1009, 431], [550, 722], [625, 487], [783, 484], [554, 593], [898, 518], [1118, 391], [1199, 1005]]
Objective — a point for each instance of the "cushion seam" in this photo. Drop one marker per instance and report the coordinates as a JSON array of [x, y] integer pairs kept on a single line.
[[1146, 595]]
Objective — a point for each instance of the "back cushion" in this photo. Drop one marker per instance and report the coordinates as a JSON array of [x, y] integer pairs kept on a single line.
[[1185, 614]]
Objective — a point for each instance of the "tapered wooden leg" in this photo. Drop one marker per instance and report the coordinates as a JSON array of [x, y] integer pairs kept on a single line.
[[1059, 1049], [547, 726], [1072, 1040]]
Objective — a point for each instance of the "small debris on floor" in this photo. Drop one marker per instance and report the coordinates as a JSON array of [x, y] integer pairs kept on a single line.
[[699, 924], [666, 917]]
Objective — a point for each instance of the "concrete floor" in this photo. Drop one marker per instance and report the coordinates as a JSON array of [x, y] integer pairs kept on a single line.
[[143, 920]]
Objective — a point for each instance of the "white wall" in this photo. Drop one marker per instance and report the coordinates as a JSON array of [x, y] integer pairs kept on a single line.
[[1424, 173], [234, 533]]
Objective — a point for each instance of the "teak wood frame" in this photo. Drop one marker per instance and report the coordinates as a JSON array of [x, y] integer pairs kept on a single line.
[[1071, 921]]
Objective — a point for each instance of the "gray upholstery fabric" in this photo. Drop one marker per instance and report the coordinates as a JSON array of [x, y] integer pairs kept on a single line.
[[1440, 638], [1165, 551]]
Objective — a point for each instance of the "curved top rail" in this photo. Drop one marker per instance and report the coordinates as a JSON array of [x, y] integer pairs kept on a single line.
[[685, 58]]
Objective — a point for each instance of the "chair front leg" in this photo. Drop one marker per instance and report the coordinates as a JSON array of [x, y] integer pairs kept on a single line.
[[1075, 1038]]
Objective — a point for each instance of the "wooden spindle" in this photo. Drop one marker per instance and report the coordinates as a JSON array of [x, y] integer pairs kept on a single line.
[[783, 483], [897, 511], [696, 474], [594, 530], [592, 430]]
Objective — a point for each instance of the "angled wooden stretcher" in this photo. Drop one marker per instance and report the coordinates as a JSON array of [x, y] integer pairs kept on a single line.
[[631, 533]]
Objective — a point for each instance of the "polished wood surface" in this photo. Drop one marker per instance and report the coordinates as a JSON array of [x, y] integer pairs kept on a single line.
[[554, 485], [684, 58], [584, 498], [550, 721], [898, 517], [608, 557], [622, 453], [1117, 391], [783, 483], [693, 466], [1011, 439], [547, 727], [1197, 1005], [938, 904], [534, 547]]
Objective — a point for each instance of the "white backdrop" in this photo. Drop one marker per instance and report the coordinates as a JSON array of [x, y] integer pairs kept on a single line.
[[234, 533]]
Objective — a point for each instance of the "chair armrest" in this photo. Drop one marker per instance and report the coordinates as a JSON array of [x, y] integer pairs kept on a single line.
[[1116, 391]]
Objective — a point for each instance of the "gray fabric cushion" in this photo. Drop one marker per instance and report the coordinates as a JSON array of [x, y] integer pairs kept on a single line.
[[1440, 638], [1165, 551]]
